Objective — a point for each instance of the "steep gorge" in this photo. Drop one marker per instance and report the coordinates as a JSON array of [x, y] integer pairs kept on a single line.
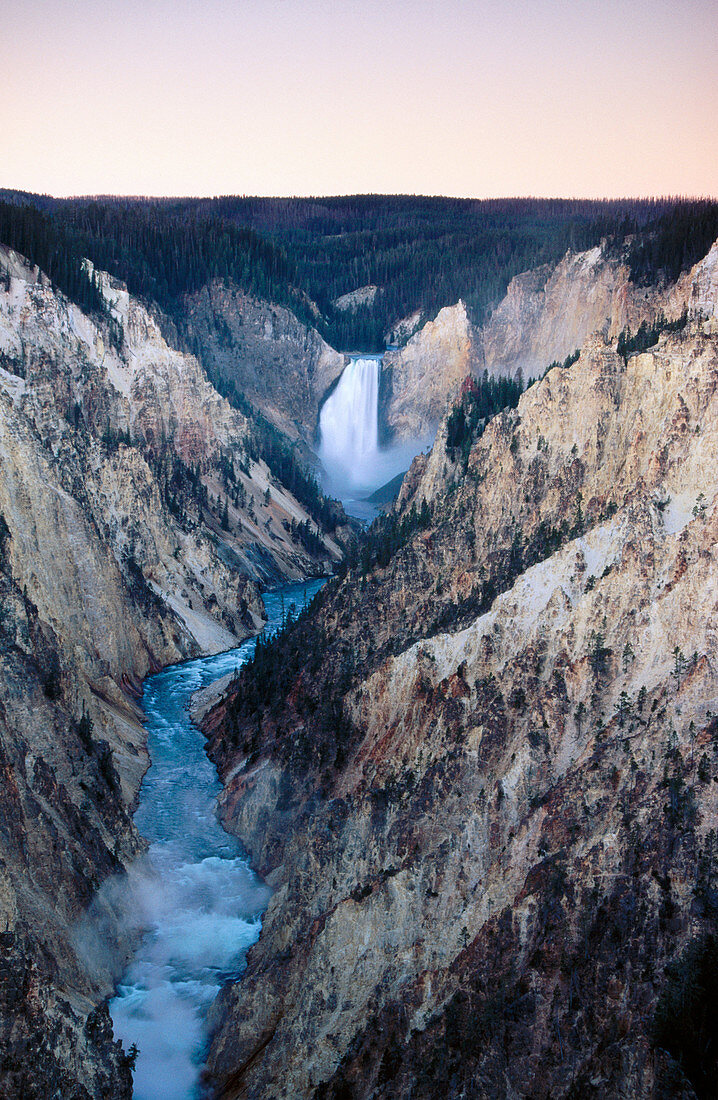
[[489, 813], [415, 800], [134, 531]]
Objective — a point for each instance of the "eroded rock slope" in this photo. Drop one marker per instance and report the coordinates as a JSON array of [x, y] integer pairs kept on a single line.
[[489, 808], [282, 366], [134, 531], [547, 314]]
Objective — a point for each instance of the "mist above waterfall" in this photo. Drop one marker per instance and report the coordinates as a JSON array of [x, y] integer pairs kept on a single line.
[[354, 463]]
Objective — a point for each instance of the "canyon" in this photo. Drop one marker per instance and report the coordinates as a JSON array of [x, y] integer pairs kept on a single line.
[[287, 371], [479, 778], [120, 552], [488, 814]]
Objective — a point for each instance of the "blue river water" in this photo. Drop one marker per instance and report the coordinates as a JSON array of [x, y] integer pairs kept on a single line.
[[194, 893]]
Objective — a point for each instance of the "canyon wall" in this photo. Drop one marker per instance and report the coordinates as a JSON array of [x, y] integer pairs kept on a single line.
[[419, 379], [549, 313], [134, 531], [489, 812], [285, 368], [546, 315], [282, 366]]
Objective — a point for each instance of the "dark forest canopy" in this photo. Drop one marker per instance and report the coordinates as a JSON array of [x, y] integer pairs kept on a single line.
[[422, 253]]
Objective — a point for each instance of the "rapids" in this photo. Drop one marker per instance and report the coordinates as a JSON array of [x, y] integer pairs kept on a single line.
[[195, 893]]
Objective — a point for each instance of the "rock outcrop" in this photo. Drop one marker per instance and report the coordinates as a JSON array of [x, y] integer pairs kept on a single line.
[[548, 313], [489, 813], [419, 379], [403, 330], [356, 299]]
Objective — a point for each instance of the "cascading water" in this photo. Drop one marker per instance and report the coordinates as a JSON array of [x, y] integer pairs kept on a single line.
[[354, 463], [349, 426]]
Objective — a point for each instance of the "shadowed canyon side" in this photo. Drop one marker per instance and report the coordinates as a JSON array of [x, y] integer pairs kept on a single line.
[[135, 531], [480, 777], [280, 365]]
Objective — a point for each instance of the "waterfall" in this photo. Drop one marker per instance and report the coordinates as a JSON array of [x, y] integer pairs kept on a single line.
[[348, 426]]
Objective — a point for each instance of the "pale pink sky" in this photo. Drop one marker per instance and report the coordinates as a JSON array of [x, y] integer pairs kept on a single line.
[[280, 97]]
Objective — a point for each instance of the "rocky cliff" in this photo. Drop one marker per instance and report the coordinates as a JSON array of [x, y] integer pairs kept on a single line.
[[550, 312], [547, 314], [282, 366], [488, 810], [134, 531], [419, 379]]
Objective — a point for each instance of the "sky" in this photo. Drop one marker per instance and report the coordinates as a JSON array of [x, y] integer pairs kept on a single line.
[[322, 97]]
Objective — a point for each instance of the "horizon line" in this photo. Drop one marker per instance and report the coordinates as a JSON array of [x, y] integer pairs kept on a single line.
[[108, 195]]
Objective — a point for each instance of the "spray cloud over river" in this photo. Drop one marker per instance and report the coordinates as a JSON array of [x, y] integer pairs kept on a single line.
[[195, 893]]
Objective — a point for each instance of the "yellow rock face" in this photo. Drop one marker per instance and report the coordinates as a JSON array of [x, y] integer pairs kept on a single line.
[[520, 832]]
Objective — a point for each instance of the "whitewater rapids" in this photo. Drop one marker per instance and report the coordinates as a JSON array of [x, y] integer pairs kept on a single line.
[[194, 893]]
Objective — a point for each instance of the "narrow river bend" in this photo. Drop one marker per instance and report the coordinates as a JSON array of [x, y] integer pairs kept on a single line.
[[195, 893]]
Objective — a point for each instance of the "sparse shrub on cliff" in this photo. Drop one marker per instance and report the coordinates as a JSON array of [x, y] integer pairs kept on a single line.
[[599, 653], [113, 437], [570, 359], [680, 807], [52, 682], [4, 537], [84, 729], [385, 538], [308, 537], [11, 363], [131, 1057], [647, 335], [480, 399], [181, 486], [139, 587], [106, 765]]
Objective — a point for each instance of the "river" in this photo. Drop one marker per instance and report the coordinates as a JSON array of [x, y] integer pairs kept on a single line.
[[195, 892]]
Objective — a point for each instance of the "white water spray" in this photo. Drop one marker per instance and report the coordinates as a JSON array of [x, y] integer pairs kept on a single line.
[[348, 425], [354, 463]]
